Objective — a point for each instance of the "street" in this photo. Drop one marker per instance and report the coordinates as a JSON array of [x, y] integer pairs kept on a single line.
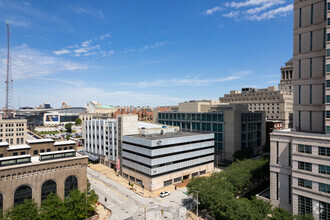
[[126, 204]]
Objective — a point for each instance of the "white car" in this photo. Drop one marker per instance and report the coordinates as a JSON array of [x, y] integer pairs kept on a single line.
[[164, 194]]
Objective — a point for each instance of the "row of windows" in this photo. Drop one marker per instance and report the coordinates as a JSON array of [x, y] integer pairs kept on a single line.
[[250, 99], [35, 152], [308, 167], [305, 207], [12, 125], [188, 116]]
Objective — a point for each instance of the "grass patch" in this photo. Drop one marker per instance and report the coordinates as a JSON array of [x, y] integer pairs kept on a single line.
[[47, 132]]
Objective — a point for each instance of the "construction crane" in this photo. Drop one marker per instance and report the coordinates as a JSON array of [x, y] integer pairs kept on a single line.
[[9, 82]]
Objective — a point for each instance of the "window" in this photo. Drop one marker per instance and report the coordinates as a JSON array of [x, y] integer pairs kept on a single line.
[[48, 187], [311, 120], [324, 188], [305, 205], [328, 98], [324, 209], [15, 154], [310, 94], [290, 189], [324, 151], [277, 186], [305, 149], [299, 91], [304, 166], [289, 156], [277, 152], [42, 151], [305, 183], [299, 17], [299, 69], [312, 13], [70, 183], [328, 52], [299, 43], [299, 120], [327, 129], [324, 169], [23, 192], [328, 83]]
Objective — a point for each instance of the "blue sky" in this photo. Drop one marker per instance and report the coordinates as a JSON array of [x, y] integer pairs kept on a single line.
[[142, 52]]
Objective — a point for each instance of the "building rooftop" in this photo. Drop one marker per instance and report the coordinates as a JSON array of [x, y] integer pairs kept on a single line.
[[3, 144], [59, 143], [38, 141], [18, 147], [148, 125], [166, 135]]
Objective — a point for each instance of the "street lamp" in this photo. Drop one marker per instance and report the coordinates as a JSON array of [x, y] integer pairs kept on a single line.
[[145, 210], [197, 203]]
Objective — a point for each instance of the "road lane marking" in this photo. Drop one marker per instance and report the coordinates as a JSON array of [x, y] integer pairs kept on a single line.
[[109, 188], [109, 194]]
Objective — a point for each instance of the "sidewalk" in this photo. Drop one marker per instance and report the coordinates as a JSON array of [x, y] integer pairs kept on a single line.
[[110, 173]]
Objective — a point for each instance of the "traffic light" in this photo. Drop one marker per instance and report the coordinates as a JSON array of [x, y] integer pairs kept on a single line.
[[105, 199], [162, 212]]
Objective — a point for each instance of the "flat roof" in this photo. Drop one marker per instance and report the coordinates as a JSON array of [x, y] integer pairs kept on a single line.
[[4, 144], [15, 157], [148, 125], [19, 147], [37, 141], [56, 152], [59, 143], [166, 135]]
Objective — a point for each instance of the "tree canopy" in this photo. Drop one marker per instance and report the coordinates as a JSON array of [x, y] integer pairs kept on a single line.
[[218, 193], [78, 205]]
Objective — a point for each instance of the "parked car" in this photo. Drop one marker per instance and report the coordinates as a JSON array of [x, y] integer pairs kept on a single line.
[[164, 194]]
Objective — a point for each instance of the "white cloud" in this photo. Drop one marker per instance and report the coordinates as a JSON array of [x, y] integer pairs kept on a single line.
[[189, 81], [80, 50], [31, 63], [86, 43], [96, 13], [212, 10], [104, 36], [247, 3], [282, 11], [254, 10], [63, 51]]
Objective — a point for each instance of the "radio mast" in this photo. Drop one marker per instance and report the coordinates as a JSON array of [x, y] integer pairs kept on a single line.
[[9, 81]]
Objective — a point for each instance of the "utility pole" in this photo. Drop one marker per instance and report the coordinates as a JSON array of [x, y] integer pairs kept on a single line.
[[197, 205]]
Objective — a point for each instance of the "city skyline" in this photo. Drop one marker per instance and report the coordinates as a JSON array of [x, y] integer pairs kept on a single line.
[[128, 53]]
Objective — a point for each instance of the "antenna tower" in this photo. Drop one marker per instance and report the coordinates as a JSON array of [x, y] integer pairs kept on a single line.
[[9, 108]]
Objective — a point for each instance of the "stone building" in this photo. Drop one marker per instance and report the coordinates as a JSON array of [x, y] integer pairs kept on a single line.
[[39, 168], [234, 126], [300, 158], [12, 131]]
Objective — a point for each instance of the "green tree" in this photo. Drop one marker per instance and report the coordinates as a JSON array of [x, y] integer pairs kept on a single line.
[[27, 210], [80, 205], [78, 121], [53, 208], [68, 127]]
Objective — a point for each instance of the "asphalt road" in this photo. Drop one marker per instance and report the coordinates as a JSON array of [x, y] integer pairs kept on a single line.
[[125, 204]]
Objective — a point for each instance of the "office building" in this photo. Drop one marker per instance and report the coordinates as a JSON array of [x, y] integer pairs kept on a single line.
[[34, 170], [300, 158], [286, 84], [12, 131], [103, 137], [97, 107], [276, 103], [161, 157], [234, 126]]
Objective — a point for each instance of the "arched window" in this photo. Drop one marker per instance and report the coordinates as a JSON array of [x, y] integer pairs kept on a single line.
[[48, 187], [70, 183], [23, 192], [1, 203]]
